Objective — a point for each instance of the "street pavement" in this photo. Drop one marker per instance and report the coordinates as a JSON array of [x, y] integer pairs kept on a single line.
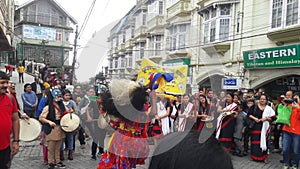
[[31, 156]]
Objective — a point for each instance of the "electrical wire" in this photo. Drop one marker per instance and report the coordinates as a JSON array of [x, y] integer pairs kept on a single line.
[[86, 18]]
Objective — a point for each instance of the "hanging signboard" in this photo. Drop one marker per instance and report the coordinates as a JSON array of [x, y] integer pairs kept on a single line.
[[278, 57], [231, 83]]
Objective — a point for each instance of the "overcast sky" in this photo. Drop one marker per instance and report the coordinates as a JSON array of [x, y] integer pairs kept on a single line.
[[104, 13]]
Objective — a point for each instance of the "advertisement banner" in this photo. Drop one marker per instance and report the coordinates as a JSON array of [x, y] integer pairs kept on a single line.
[[176, 86], [278, 57], [40, 33]]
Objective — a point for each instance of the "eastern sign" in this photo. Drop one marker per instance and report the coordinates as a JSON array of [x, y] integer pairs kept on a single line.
[[279, 57], [231, 83]]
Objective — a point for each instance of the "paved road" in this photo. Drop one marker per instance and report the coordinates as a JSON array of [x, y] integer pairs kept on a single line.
[[30, 155]]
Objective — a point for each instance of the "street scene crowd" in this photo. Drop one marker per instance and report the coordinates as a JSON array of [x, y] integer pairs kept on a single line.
[[247, 123]]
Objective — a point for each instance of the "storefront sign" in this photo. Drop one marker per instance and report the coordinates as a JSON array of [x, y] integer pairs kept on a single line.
[[279, 57], [231, 83]]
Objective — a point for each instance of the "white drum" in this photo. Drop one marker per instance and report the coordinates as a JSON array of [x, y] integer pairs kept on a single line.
[[70, 122], [29, 129]]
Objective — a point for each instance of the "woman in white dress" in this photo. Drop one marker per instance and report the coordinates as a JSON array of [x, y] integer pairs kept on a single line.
[[186, 114], [163, 111]]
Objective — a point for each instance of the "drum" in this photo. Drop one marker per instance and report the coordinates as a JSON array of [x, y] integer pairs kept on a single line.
[[29, 129], [70, 122]]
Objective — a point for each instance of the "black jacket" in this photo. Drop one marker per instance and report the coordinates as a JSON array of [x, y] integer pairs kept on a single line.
[[33, 86]]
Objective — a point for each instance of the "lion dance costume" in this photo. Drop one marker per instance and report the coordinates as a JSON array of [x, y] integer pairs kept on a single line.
[[125, 103]]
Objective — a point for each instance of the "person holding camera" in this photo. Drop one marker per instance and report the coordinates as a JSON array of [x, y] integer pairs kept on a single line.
[[291, 134]]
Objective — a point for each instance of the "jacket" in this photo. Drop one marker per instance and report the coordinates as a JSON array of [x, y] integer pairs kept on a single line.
[[29, 99]]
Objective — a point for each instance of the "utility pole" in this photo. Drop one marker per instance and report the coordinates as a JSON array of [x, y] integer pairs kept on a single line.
[[74, 57]]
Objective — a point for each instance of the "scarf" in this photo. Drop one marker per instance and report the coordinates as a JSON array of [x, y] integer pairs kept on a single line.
[[182, 120], [268, 112], [230, 107]]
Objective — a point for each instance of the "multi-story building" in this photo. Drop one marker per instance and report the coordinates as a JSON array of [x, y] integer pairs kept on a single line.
[[44, 27], [120, 55], [7, 8], [250, 43]]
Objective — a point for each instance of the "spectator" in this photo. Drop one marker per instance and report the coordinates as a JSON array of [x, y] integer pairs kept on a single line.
[[21, 71], [291, 134], [262, 114], [30, 101], [38, 88], [227, 121]]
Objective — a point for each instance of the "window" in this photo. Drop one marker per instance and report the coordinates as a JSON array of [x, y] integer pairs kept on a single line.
[[43, 14], [62, 21], [141, 19], [285, 13], [67, 35], [155, 8], [224, 29], [292, 12], [178, 37], [155, 45], [110, 64], [32, 13], [128, 59], [161, 8], [216, 25], [58, 35], [140, 50], [54, 17], [115, 63], [171, 2]]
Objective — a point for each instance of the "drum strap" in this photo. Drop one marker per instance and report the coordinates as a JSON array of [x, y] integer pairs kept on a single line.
[[12, 101]]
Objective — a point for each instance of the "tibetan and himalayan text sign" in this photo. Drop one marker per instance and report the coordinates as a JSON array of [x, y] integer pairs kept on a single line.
[[279, 57]]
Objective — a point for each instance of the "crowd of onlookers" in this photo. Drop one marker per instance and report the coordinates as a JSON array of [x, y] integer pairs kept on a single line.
[[246, 121]]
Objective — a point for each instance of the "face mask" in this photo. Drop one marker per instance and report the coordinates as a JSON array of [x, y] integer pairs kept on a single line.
[[57, 95]]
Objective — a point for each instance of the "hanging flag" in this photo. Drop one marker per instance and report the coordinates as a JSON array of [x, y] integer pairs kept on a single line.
[[147, 68]]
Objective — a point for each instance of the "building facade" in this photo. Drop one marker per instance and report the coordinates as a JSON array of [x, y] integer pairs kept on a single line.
[[45, 28], [7, 8], [255, 43]]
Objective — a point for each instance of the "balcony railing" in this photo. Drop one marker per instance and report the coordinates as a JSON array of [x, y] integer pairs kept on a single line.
[[129, 43], [156, 22], [181, 8], [141, 31], [121, 48]]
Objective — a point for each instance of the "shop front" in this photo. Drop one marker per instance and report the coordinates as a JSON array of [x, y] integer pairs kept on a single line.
[[275, 69]]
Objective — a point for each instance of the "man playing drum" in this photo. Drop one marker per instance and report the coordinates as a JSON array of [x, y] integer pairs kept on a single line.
[[9, 123]]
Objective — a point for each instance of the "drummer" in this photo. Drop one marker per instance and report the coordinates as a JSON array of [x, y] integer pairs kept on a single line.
[[51, 116], [70, 137], [9, 123]]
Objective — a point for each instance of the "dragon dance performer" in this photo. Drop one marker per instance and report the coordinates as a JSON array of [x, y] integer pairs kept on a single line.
[[128, 146]]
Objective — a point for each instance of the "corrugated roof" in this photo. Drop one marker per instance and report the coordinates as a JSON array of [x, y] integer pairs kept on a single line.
[[55, 4]]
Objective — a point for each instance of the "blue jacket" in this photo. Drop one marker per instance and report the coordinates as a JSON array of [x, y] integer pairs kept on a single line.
[[41, 106], [29, 99]]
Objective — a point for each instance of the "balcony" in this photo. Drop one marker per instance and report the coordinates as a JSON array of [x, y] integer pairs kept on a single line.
[[110, 53], [115, 50], [140, 32], [220, 48], [180, 53], [155, 55], [156, 23], [129, 43], [290, 34], [179, 9], [121, 49]]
